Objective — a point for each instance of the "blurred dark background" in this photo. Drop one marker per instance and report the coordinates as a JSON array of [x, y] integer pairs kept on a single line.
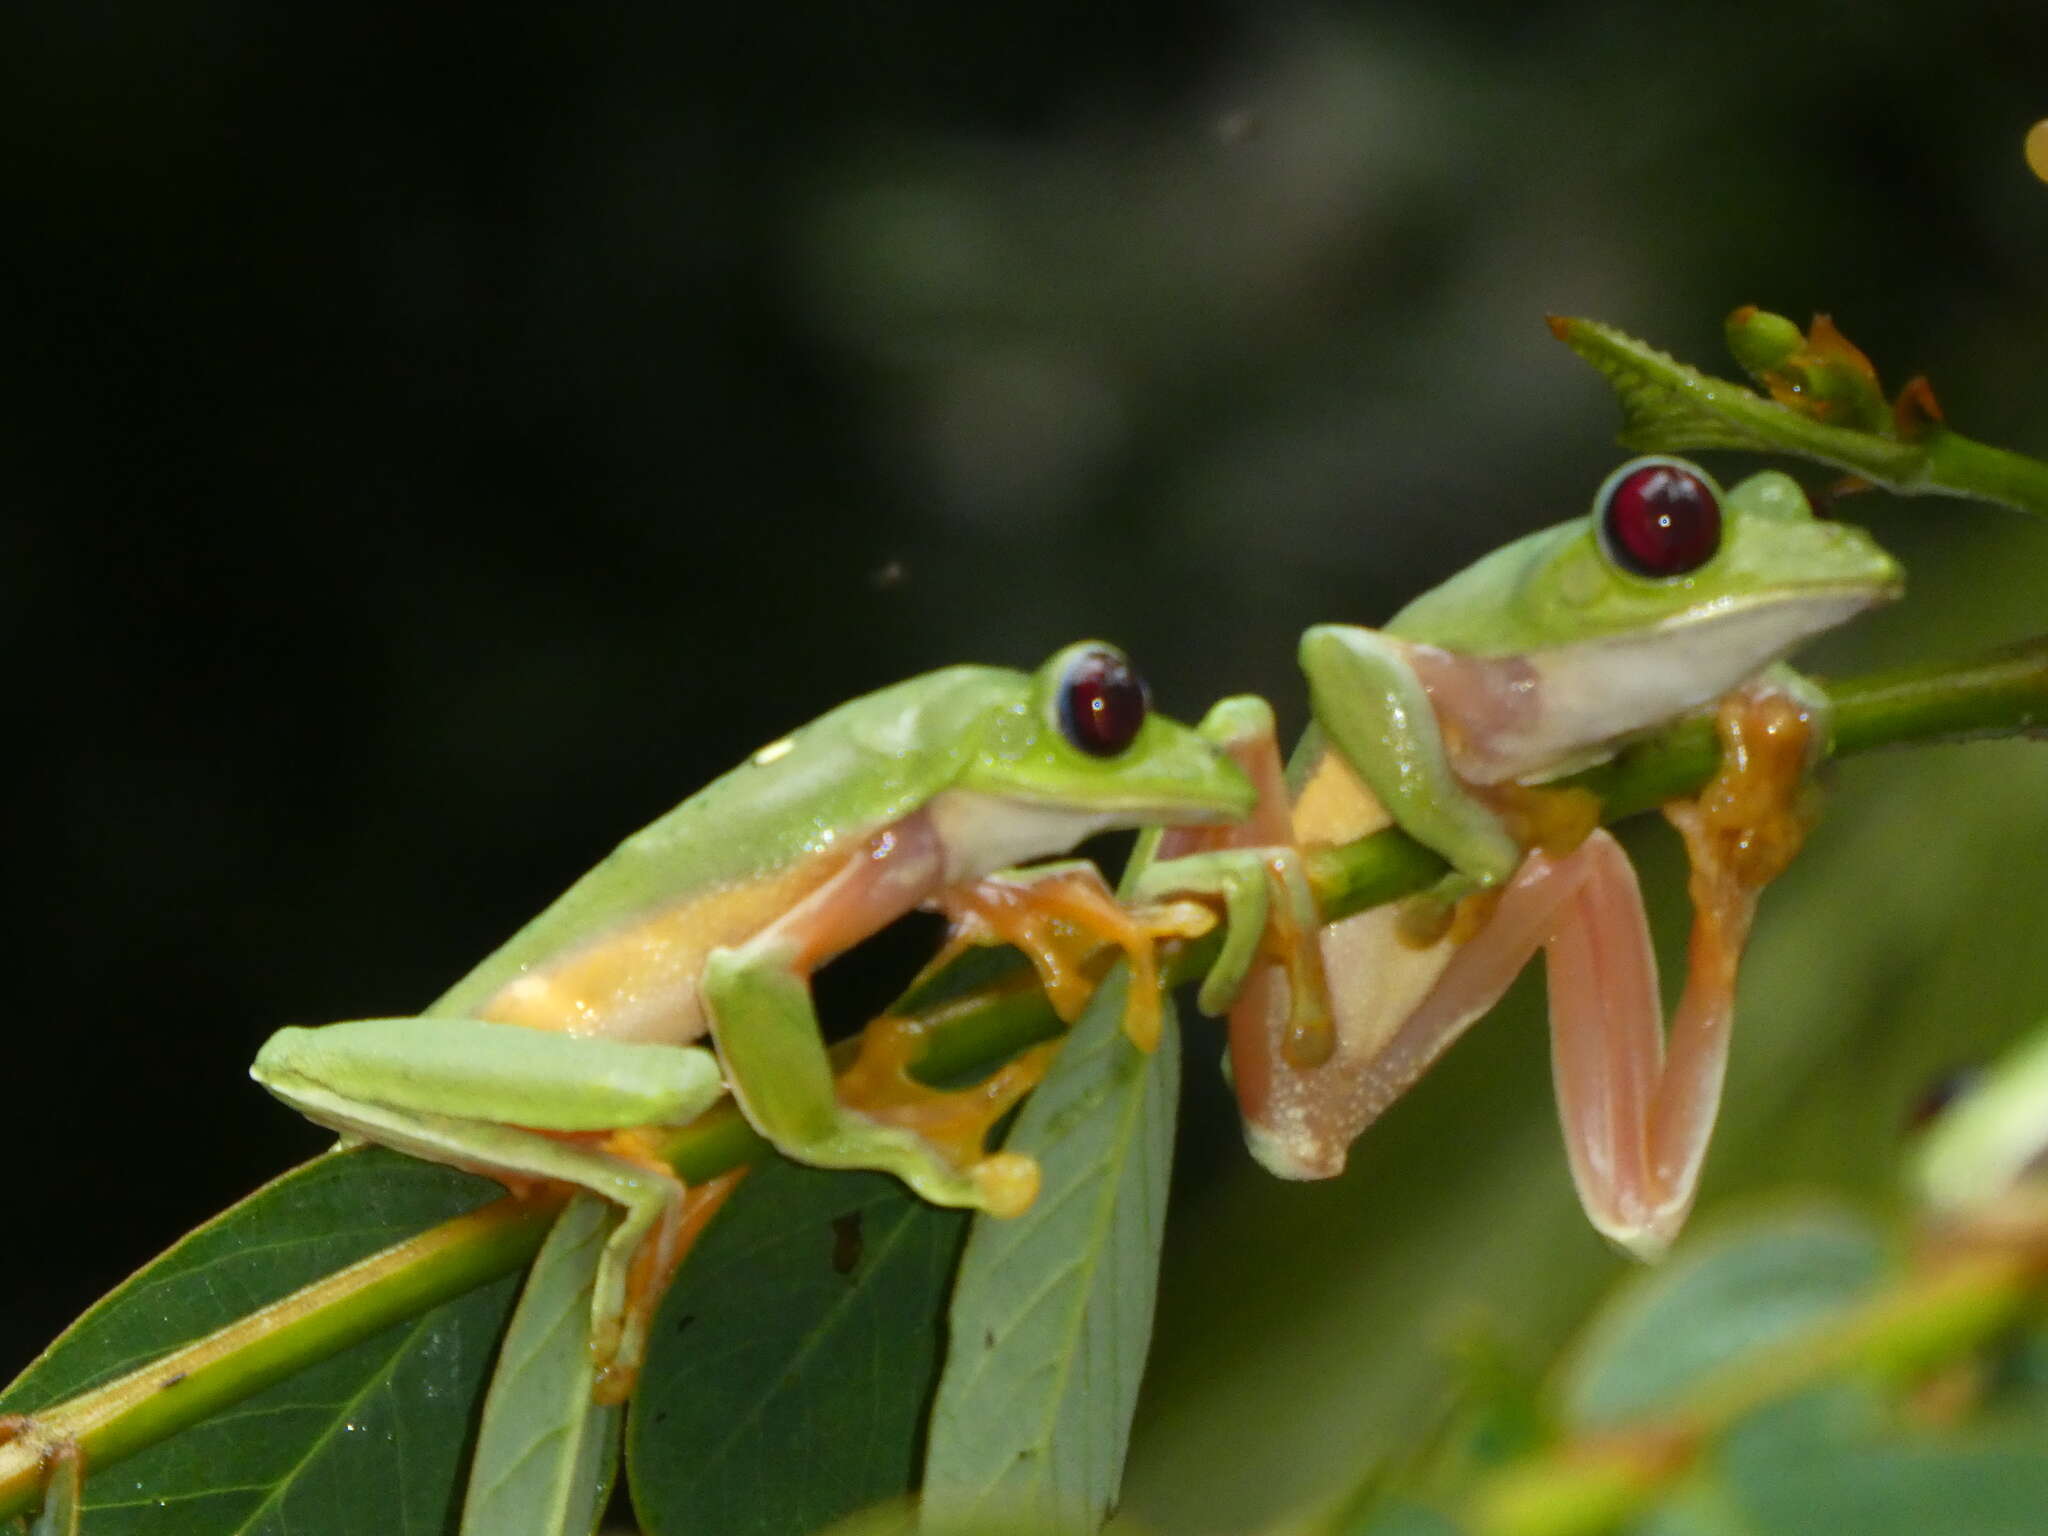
[[437, 440]]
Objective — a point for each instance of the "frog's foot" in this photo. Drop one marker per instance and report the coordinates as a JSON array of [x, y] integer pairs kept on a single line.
[[1750, 820], [618, 1340], [954, 1122], [1061, 917], [1270, 918], [63, 1471]]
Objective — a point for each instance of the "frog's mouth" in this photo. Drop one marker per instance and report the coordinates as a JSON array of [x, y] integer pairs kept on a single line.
[[1550, 712]]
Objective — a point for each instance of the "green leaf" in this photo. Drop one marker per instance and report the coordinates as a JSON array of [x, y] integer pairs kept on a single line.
[[794, 1357], [1807, 1467], [390, 1413], [1053, 1313], [1667, 406], [546, 1453], [1719, 1297]]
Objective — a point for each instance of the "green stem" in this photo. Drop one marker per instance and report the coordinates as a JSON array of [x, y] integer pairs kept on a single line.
[[1670, 407], [2002, 694], [1959, 465]]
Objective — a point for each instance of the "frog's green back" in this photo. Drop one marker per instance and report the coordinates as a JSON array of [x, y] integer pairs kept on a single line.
[[1479, 610], [847, 774]]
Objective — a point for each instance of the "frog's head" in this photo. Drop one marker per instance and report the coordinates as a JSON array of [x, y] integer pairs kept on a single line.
[[1081, 737], [1670, 594], [1746, 574]]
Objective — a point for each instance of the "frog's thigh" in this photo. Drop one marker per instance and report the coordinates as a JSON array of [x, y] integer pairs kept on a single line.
[[542, 1081], [1373, 707], [479, 1070]]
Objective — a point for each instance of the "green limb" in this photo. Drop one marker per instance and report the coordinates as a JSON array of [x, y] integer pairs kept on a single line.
[[1374, 710], [1238, 721], [1244, 880], [776, 1062]]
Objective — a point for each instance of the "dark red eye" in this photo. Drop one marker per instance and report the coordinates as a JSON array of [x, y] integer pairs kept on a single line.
[[1659, 519], [1102, 703]]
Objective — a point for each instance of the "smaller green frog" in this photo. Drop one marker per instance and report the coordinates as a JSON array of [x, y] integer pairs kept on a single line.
[[1544, 658], [550, 1059]]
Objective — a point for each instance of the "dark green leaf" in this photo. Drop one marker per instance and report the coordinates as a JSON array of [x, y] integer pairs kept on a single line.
[[794, 1358], [1821, 1473], [370, 1440], [1719, 1297]]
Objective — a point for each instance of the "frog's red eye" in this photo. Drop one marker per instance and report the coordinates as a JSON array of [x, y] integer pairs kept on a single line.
[[1102, 702], [1659, 518]]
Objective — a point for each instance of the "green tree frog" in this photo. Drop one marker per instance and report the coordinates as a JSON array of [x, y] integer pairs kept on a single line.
[[544, 1061], [1541, 659]]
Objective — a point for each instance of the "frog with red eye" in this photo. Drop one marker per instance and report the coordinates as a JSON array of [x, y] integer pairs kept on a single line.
[[553, 1059], [1544, 658]]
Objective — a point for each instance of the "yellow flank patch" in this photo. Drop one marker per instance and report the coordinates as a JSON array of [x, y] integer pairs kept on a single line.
[[1335, 806], [639, 982]]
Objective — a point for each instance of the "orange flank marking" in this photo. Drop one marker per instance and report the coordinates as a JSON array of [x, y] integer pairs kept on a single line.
[[638, 982]]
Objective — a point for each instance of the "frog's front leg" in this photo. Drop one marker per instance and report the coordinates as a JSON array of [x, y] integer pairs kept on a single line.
[[1270, 962], [1061, 916], [1382, 703], [757, 997], [1381, 756]]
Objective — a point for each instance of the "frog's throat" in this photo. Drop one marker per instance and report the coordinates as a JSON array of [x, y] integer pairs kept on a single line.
[[1544, 713]]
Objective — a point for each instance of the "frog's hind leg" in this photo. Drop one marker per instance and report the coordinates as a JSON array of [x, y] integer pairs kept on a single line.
[[649, 1196]]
